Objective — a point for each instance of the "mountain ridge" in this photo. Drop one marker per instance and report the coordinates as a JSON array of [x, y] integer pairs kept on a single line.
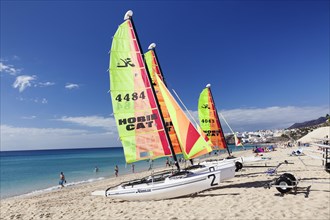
[[314, 122]]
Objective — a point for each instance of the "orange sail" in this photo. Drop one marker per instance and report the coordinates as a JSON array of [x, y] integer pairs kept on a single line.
[[154, 69], [192, 143]]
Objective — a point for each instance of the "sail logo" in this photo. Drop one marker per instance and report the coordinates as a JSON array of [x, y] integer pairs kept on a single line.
[[125, 63], [143, 190], [210, 133], [206, 106], [140, 122]]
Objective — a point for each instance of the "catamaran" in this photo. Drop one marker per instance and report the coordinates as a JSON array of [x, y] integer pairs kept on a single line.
[[211, 126], [142, 127], [155, 70]]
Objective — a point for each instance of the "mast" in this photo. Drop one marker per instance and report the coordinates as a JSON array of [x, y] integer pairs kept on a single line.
[[129, 15], [152, 47], [216, 112]]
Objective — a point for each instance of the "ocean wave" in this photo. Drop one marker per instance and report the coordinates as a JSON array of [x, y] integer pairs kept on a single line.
[[53, 188]]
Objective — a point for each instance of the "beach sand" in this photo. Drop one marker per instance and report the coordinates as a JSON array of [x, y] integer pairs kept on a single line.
[[243, 197]]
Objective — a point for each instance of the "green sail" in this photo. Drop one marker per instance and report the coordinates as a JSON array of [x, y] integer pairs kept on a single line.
[[137, 116], [209, 120]]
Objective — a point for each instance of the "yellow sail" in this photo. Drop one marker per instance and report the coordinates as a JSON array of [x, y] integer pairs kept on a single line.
[[191, 142], [154, 69]]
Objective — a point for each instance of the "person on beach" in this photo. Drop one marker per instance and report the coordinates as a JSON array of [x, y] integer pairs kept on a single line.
[[167, 164], [62, 180], [150, 164], [116, 171], [96, 169], [133, 167], [177, 165], [326, 141]]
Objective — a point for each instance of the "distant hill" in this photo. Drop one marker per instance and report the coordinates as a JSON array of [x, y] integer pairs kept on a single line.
[[308, 123]]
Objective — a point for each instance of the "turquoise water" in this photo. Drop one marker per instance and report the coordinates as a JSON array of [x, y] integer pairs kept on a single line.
[[24, 172]]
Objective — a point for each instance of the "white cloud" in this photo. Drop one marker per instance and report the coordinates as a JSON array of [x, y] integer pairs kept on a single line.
[[23, 81], [92, 121], [27, 138], [10, 69], [29, 117], [15, 57], [44, 101], [271, 117], [44, 84], [71, 86], [275, 117], [35, 100], [245, 119]]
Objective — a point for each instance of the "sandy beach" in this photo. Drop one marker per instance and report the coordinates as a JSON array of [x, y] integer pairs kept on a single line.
[[243, 197]]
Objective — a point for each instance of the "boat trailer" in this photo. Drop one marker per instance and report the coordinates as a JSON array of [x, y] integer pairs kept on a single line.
[[287, 182]]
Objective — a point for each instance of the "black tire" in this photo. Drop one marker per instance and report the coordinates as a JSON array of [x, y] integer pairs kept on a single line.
[[327, 167], [283, 181], [291, 177], [238, 165]]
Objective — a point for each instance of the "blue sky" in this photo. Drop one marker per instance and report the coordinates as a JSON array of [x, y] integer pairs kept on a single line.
[[267, 61]]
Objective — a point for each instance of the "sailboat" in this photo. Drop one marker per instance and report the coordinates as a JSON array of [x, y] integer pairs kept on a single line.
[[209, 120], [180, 120], [142, 129], [238, 143], [210, 124]]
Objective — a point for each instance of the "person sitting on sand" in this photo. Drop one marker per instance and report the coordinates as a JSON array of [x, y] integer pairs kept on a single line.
[[62, 180]]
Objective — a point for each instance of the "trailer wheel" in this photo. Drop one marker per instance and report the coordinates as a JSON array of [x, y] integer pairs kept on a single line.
[[283, 182], [238, 165], [327, 167], [290, 177]]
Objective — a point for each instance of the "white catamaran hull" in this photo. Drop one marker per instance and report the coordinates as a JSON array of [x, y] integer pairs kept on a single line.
[[171, 187], [227, 169], [242, 160]]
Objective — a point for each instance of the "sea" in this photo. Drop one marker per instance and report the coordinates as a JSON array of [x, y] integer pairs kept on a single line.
[[37, 171]]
